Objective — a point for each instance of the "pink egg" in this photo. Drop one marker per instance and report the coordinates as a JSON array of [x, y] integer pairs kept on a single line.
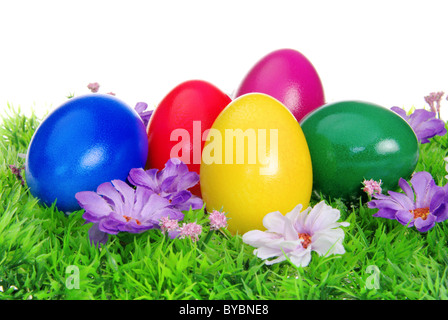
[[288, 76]]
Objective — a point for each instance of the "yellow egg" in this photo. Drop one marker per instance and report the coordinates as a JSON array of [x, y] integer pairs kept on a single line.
[[255, 161]]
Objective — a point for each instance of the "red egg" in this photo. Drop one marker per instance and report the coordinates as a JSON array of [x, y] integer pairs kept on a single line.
[[177, 126], [288, 76]]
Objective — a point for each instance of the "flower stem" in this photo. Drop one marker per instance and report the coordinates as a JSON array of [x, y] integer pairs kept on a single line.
[[208, 237]]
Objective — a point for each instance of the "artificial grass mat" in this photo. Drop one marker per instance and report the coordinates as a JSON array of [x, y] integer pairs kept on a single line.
[[46, 255]]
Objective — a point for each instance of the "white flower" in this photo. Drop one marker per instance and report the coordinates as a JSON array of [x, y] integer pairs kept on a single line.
[[298, 233]]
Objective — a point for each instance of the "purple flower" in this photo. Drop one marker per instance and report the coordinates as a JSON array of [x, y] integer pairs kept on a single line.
[[423, 122], [117, 207], [94, 87], [144, 114], [172, 183], [421, 206]]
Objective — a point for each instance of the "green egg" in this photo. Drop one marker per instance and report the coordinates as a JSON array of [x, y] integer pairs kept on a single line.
[[350, 141]]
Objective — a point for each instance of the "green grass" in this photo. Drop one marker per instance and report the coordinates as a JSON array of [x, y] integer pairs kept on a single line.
[[42, 250]]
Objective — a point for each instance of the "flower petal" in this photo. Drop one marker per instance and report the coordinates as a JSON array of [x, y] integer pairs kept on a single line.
[[268, 252], [257, 238], [166, 212], [300, 259], [400, 111], [405, 217], [300, 219], [426, 125], [173, 234], [128, 194], [154, 203], [110, 224], [140, 107], [174, 167], [169, 184], [321, 217], [140, 177], [96, 236], [386, 213], [294, 214], [111, 195], [142, 196], [274, 222], [441, 213], [195, 203], [424, 225], [402, 200], [422, 182], [184, 200], [281, 258], [94, 205], [419, 116], [188, 180], [404, 185], [328, 242], [437, 196]]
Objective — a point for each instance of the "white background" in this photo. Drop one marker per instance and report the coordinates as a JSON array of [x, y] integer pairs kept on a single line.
[[386, 52]]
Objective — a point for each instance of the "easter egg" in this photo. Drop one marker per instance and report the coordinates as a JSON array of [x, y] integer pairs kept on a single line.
[[350, 141], [86, 141], [255, 161], [178, 124], [288, 76]]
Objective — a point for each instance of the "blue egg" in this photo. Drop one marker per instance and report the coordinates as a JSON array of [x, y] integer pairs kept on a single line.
[[86, 141]]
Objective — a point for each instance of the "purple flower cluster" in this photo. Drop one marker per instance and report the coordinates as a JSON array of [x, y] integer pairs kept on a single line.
[[171, 183], [420, 206], [424, 123], [144, 114], [116, 206]]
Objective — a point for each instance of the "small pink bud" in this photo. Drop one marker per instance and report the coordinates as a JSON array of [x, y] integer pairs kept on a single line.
[[94, 87], [192, 230], [371, 186], [167, 224], [218, 220]]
